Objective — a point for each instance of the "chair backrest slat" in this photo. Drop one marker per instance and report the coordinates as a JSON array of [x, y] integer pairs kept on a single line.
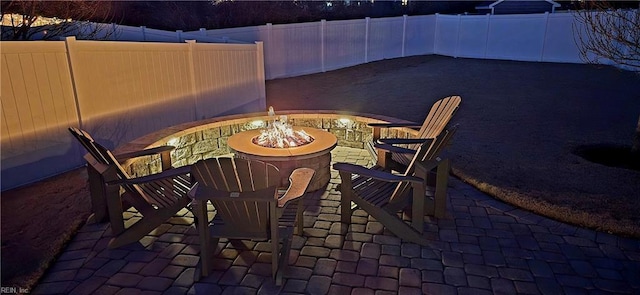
[[264, 175], [245, 177], [228, 174]]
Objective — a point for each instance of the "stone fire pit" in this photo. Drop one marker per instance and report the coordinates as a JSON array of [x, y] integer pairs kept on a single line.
[[315, 155]]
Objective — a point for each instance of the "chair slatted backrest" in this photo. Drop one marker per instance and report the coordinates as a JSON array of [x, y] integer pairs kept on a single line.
[[152, 195], [89, 144], [426, 152], [249, 212], [439, 116], [235, 175]]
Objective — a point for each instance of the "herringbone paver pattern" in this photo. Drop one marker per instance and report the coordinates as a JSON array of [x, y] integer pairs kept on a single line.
[[483, 246]]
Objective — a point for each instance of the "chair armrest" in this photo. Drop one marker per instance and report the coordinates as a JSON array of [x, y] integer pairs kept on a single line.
[[394, 149], [375, 174], [389, 125], [153, 177], [299, 181], [403, 140], [146, 152]]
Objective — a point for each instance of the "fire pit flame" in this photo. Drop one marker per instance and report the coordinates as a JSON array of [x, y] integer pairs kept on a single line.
[[280, 134]]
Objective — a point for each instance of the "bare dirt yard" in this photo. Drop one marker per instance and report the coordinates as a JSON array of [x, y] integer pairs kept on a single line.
[[519, 124]]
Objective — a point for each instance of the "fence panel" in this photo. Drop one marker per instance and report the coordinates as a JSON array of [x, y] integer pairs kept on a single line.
[[446, 34], [128, 33], [154, 35], [37, 104], [124, 87], [385, 38], [246, 34], [559, 44], [293, 50], [227, 80], [344, 43], [472, 39], [419, 36], [516, 37]]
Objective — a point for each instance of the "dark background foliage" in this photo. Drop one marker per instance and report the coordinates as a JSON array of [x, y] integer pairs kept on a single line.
[[192, 15]]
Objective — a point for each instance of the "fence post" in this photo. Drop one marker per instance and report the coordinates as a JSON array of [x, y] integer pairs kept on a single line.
[[192, 77], [143, 29], [435, 36], [269, 55], [404, 33], [456, 50], [367, 21], [179, 35], [486, 39], [544, 36], [71, 53], [114, 29], [323, 23], [260, 74]]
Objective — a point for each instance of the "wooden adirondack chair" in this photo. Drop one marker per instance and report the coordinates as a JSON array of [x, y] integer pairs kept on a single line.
[[157, 197], [383, 194], [437, 119], [249, 205]]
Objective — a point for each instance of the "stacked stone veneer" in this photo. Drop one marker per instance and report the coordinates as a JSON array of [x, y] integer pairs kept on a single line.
[[210, 139]]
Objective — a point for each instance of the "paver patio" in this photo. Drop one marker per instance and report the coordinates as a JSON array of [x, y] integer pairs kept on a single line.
[[483, 246]]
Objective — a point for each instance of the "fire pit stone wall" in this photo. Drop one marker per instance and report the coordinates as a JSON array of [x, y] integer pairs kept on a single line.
[[207, 139]]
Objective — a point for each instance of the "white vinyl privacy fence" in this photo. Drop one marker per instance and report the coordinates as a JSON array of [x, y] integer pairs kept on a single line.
[[118, 91], [304, 48], [296, 49]]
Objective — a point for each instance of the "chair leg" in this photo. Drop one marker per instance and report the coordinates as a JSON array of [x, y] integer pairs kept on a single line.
[[283, 259], [417, 210], [300, 217], [114, 208], [345, 214], [98, 199], [440, 198], [201, 215], [275, 240], [345, 200]]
